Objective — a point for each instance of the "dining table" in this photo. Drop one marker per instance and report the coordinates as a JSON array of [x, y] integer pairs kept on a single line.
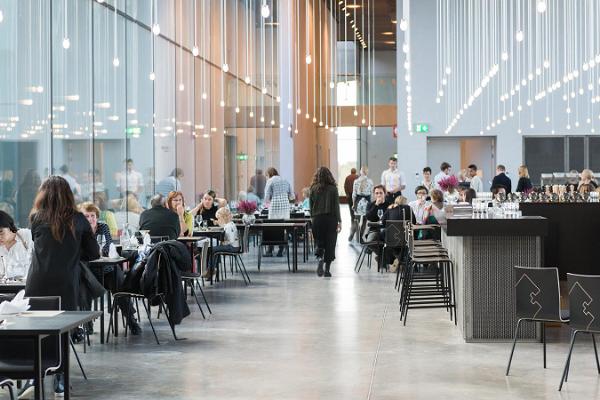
[[36, 325]]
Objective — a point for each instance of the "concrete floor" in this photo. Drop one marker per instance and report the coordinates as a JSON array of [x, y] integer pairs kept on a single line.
[[297, 336]]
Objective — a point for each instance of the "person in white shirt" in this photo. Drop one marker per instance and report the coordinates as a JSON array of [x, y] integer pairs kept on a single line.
[[130, 180], [476, 182], [427, 182], [419, 206], [75, 187], [16, 246], [393, 180], [445, 170]]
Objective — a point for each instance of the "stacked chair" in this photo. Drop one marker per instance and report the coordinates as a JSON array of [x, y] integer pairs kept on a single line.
[[426, 279], [365, 252]]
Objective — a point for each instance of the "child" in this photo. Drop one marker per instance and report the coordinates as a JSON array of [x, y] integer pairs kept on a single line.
[[231, 242], [306, 201]]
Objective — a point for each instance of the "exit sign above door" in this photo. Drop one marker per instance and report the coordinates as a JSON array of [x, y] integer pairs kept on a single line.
[[421, 128]]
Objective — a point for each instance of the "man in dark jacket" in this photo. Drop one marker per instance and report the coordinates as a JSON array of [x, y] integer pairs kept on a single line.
[[501, 179], [159, 220]]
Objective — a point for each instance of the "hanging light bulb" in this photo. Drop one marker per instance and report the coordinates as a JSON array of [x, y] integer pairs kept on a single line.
[[374, 132], [314, 120], [403, 25], [265, 11], [278, 99], [307, 116], [1, 16], [66, 43], [116, 62], [520, 36], [298, 111], [264, 90], [289, 106], [204, 96], [272, 122], [363, 121], [195, 51], [262, 118], [156, 29], [355, 113], [152, 76], [181, 87], [237, 110], [308, 59], [296, 131], [225, 67], [331, 85], [251, 114], [541, 6], [504, 56], [247, 80], [222, 103], [448, 70]]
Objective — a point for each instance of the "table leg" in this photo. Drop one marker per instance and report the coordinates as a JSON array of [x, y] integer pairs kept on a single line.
[[116, 313], [37, 367], [66, 350], [305, 242], [102, 318], [295, 258]]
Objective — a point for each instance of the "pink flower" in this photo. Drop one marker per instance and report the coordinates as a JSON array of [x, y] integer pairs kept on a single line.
[[247, 207], [448, 182]]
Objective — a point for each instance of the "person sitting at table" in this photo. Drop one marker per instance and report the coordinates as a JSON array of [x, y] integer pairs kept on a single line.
[[419, 205], [587, 178], [498, 191], [306, 197], [467, 196], [434, 212], [231, 241], [62, 238], [104, 238], [379, 204], [176, 203], [207, 209], [16, 247], [399, 211], [129, 212], [251, 196], [159, 220], [106, 215]]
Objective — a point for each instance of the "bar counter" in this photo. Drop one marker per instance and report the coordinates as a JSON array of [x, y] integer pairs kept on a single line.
[[484, 252]]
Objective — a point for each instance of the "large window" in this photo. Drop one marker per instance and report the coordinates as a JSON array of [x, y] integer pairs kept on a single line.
[[87, 91]]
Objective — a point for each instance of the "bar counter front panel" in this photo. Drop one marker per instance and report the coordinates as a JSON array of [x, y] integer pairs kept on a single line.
[[484, 252]]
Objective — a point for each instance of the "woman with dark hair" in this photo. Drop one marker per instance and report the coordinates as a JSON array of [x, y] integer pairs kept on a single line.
[[62, 237], [15, 248], [326, 220]]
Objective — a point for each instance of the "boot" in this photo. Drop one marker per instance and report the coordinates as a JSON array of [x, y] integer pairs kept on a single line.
[[320, 267], [327, 274]]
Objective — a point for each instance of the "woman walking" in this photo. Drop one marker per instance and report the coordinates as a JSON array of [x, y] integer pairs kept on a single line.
[[62, 237], [326, 220]]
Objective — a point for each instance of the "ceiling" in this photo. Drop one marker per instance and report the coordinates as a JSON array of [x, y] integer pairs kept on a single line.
[[384, 14]]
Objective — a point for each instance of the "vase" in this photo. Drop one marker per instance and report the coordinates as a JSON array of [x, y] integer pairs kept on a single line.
[[248, 219]]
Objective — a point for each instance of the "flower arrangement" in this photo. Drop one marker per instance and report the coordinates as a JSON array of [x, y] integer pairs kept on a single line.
[[449, 183], [247, 207]]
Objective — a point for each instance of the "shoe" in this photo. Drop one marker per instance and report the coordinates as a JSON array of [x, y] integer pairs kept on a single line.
[[59, 385], [327, 274], [28, 390], [78, 335], [280, 253], [320, 268], [134, 327]]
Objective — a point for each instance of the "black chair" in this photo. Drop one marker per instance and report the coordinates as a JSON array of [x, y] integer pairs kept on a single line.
[[273, 236], [158, 239], [584, 310], [17, 354], [394, 241], [192, 279], [236, 256], [6, 383], [537, 298], [367, 245]]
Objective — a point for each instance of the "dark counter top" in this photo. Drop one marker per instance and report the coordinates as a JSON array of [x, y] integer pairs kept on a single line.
[[468, 226]]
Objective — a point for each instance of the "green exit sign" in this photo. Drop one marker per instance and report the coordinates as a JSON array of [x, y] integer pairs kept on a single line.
[[422, 128], [133, 131], [242, 156]]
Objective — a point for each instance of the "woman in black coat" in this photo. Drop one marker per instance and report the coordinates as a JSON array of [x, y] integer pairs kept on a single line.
[[61, 238]]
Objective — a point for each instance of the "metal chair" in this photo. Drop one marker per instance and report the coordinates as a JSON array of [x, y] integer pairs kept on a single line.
[[236, 256], [584, 310], [6, 383], [537, 298], [17, 354], [273, 236], [365, 251], [192, 278], [395, 240]]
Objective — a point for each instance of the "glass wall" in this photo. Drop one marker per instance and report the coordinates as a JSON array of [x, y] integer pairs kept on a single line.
[[89, 91]]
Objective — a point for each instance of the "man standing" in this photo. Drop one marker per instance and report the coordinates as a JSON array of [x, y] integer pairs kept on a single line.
[[258, 182], [393, 180], [130, 180], [501, 179], [348, 187], [445, 170], [476, 183]]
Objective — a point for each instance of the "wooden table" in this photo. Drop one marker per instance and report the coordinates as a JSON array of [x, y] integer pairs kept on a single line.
[[39, 327], [99, 264]]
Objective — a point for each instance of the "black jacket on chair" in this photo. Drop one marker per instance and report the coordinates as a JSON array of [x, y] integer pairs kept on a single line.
[[162, 274]]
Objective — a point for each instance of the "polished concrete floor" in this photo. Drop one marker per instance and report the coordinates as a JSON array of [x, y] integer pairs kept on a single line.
[[297, 336]]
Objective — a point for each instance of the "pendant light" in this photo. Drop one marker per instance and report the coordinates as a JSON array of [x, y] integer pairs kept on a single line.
[[66, 42]]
